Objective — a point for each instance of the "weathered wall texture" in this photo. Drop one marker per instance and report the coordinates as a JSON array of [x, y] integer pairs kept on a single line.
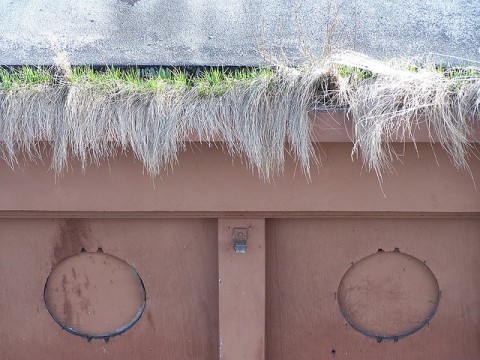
[[198, 311], [306, 259], [177, 260], [277, 301]]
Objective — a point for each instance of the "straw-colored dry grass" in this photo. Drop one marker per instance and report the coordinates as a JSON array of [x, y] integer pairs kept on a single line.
[[259, 113], [391, 104]]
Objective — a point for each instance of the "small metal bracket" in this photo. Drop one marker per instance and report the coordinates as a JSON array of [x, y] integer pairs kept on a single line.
[[240, 240]]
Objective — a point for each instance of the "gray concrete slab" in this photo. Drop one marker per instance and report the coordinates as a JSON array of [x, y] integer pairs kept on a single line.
[[233, 32]]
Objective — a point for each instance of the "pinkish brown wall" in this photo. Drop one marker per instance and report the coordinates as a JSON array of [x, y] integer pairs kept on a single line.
[[173, 230], [208, 180], [241, 283], [306, 259], [176, 258]]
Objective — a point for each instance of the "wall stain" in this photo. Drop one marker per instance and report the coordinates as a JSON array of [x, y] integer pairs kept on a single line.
[[85, 305], [67, 311], [73, 235], [150, 321], [67, 305]]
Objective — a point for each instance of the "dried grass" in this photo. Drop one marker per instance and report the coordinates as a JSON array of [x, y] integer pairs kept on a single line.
[[402, 96], [258, 115], [92, 118]]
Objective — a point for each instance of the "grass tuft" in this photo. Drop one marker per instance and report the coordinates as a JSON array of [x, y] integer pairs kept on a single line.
[[261, 113], [390, 105]]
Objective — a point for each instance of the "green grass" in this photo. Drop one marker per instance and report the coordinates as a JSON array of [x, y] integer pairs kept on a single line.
[[450, 72], [460, 73], [212, 81], [353, 72], [24, 76], [217, 81]]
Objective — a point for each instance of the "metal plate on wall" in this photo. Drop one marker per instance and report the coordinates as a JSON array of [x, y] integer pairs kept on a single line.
[[95, 295], [388, 295]]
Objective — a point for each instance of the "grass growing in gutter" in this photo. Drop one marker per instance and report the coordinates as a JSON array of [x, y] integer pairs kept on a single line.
[[24, 76], [211, 81], [113, 79], [403, 95], [91, 114]]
